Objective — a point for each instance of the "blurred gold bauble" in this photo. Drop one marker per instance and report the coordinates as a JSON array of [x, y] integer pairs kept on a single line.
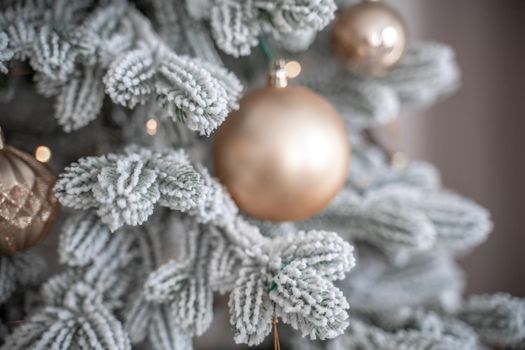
[[369, 37], [284, 154], [27, 204]]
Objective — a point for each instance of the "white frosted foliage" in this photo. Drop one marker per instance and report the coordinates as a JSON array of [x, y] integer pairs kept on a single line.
[[236, 25], [83, 321], [294, 286], [124, 188], [309, 302], [499, 319], [83, 238], [80, 100], [151, 244], [19, 270], [251, 311]]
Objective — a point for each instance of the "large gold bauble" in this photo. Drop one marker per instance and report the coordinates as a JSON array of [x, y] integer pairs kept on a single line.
[[27, 204], [369, 37], [284, 154]]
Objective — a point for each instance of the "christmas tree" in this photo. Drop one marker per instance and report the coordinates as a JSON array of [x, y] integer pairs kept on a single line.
[[123, 98]]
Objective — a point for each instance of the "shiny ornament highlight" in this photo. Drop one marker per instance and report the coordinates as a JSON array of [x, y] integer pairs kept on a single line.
[[28, 206], [284, 154], [369, 37]]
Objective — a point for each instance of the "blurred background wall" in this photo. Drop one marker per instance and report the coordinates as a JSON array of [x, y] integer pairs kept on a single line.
[[477, 136]]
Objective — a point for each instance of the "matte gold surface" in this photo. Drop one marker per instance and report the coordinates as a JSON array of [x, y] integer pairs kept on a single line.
[[284, 154], [369, 37], [27, 204]]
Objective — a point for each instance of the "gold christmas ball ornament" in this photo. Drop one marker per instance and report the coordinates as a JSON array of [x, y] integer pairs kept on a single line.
[[284, 154], [369, 37], [27, 204]]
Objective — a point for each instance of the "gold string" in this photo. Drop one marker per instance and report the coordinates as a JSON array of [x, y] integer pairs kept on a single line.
[[276, 344]]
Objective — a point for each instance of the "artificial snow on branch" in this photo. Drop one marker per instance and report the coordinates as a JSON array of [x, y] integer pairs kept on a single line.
[[402, 211], [52, 55], [129, 80], [118, 43], [396, 231], [236, 25], [22, 270], [414, 331], [166, 334], [80, 100], [289, 277], [192, 95], [308, 301], [159, 235], [499, 319], [81, 302], [185, 286], [217, 206], [83, 237], [425, 73], [427, 279], [292, 284], [5, 53], [83, 321], [124, 188], [459, 223]]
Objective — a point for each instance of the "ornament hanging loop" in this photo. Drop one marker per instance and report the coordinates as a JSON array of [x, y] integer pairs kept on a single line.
[[277, 77]]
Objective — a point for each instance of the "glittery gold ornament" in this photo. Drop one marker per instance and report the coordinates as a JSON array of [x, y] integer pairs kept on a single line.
[[27, 204], [369, 37], [284, 154]]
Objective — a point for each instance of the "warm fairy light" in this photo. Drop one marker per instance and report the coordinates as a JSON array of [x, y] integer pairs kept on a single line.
[[151, 126], [293, 69], [43, 154]]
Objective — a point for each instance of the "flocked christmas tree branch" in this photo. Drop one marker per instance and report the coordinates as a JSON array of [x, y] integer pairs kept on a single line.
[[153, 236], [114, 46]]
